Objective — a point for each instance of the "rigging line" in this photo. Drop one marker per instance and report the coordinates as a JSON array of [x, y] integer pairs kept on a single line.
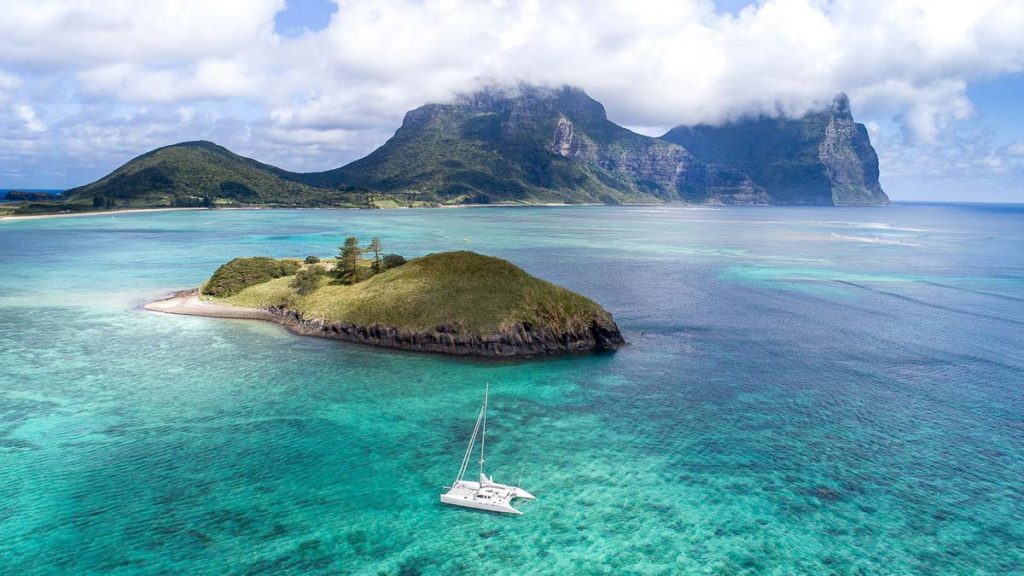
[[483, 436], [469, 449]]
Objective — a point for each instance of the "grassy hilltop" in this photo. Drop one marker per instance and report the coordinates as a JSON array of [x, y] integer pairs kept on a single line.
[[200, 174], [478, 294]]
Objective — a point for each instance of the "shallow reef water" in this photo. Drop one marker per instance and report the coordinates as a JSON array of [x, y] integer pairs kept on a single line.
[[806, 391]]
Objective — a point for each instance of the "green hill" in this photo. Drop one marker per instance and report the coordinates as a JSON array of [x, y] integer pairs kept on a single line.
[[196, 174], [452, 302]]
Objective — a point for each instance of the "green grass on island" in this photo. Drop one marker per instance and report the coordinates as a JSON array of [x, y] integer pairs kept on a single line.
[[236, 275], [479, 294]]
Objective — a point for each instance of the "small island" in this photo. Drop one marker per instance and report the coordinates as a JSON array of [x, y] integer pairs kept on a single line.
[[460, 303]]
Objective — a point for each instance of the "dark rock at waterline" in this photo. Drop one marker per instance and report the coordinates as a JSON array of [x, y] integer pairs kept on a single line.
[[517, 340]]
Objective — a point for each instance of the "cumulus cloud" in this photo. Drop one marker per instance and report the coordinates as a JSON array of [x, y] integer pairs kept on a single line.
[[321, 98], [1016, 149], [28, 116], [210, 78], [62, 35], [9, 81]]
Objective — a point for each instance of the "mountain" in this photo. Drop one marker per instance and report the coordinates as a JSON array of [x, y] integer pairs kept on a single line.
[[822, 158], [534, 144], [198, 173], [524, 144]]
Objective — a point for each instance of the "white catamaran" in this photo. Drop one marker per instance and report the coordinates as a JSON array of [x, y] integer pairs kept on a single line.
[[485, 494]]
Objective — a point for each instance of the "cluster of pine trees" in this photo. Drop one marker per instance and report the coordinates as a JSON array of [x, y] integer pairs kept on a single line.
[[348, 269], [350, 253]]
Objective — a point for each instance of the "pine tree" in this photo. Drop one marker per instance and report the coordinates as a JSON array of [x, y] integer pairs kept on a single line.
[[348, 261], [375, 248]]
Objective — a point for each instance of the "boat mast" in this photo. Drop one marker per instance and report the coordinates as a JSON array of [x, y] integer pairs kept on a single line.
[[469, 449], [483, 433]]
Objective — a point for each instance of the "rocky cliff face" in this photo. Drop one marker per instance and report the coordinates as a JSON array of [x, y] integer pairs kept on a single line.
[[822, 158], [517, 340], [668, 171], [852, 163], [540, 143]]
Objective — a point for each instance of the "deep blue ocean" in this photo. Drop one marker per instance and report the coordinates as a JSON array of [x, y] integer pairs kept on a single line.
[[806, 391]]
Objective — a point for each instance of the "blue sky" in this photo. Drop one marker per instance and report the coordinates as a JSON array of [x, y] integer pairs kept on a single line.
[[310, 85], [1000, 105], [300, 16]]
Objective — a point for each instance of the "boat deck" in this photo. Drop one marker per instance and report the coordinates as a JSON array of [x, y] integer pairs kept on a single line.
[[491, 497]]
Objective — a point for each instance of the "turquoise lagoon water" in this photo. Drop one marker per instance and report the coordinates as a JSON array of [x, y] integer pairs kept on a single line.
[[807, 390]]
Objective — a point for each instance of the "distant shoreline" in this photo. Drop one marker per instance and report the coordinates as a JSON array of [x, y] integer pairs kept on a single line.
[[96, 213], [138, 210], [460, 206]]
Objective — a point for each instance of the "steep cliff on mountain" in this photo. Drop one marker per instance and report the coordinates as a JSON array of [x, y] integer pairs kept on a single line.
[[822, 158]]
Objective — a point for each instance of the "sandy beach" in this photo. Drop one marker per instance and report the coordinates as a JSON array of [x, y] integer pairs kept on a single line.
[[189, 304], [101, 213]]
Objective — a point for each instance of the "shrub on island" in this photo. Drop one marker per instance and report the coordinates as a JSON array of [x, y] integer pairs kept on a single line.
[[306, 280], [392, 261], [240, 273]]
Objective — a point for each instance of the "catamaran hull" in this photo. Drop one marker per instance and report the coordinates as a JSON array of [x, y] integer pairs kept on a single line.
[[485, 495], [469, 502]]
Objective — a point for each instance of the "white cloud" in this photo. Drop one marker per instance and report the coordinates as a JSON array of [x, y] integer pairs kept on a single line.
[[1016, 149], [9, 81], [211, 78], [343, 89], [61, 35], [28, 117], [969, 166]]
